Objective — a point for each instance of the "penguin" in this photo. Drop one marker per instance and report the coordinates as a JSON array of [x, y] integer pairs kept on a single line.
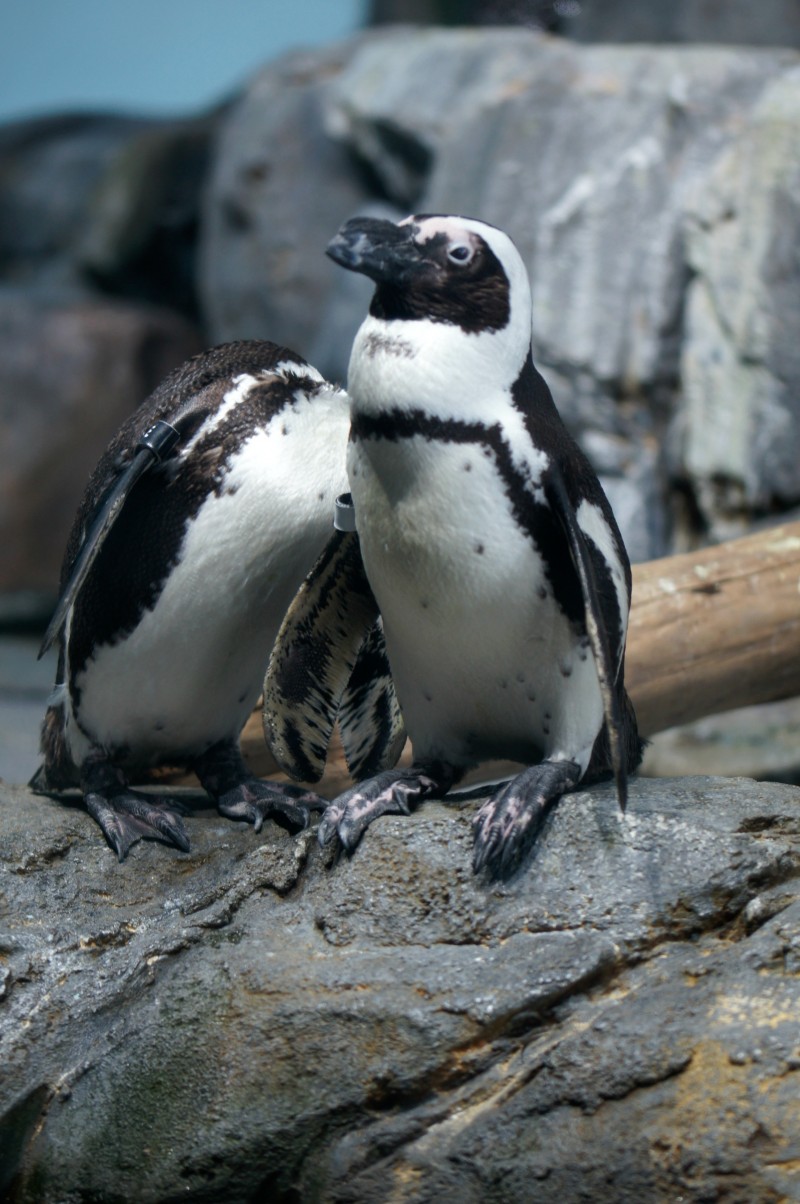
[[498, 569], [196, 529]]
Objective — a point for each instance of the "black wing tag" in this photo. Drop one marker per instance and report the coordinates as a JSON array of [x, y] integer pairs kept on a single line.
[[154, 446], [314, 657], [595, 627]]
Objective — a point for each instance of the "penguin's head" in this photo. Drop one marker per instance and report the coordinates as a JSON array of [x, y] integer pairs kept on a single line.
[[435, 268]]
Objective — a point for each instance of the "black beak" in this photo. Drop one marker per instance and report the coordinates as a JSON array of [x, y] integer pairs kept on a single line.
[[380, 249]]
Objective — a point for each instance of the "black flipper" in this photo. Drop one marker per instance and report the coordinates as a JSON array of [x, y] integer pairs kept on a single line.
[[314, 657], [154, 446], [370, 722], [564, 511]]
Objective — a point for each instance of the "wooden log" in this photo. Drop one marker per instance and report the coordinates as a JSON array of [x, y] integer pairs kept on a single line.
[[715, 629]]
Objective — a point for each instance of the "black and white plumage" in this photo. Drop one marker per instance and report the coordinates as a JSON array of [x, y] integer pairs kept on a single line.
[[192, 561], [498, 568]]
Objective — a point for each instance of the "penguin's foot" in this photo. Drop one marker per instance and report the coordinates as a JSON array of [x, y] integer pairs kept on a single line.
[[128, 816], [508, 823], [125, 815], [394, 792], [239, 795], [255, 800]]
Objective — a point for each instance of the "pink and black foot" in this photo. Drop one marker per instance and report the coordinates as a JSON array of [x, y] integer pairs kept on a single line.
[[242, 796], [126, 815], [393, 792], [508, 823]]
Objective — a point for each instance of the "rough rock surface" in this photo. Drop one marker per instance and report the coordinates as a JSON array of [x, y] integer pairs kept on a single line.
[[617, 1023]]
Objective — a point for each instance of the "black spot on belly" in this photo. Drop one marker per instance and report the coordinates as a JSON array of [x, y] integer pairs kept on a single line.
[[428, 697], [566, 670], [467, 467], [479, 548]]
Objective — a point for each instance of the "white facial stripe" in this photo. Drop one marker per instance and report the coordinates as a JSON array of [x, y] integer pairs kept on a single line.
[[292, 368], [287, 369], [241, 387]]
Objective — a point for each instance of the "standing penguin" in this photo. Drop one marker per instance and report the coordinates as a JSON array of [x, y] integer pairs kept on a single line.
[[195, 531], [490, 547]]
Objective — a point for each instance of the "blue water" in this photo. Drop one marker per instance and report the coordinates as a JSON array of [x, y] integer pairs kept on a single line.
[[150, 56]]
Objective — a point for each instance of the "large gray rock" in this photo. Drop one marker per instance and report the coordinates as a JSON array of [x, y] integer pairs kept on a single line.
[[737, 22], [94, 200], [280, 189], [740, 411], [619, 1022], [49, 170]]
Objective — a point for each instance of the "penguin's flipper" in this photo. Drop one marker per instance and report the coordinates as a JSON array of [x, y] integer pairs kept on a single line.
[[314, 656], [563, 509], [370, 722], [154, 445]]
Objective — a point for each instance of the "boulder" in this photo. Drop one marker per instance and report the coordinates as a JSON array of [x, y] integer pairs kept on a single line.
[[618, 1022], [279, 189], [736, 22], [49, 170], [70, 373], [739, 415], [97, 202]]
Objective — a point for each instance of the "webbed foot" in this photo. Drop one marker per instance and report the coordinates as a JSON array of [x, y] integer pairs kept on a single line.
[[393, 792], [128, 816], [508, 823], [125, 815], [241, 796], [255, 800]]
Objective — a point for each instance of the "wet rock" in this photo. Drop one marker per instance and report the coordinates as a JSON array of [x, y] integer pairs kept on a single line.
[[618, 1021], [69, 374]]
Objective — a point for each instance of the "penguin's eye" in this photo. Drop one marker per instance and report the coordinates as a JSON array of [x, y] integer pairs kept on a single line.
[[460, 253]]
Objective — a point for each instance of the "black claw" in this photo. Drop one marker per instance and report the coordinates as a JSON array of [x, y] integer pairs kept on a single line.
[[127, 817], [506, 826], [328, 830], [255, 800], [393, 792]]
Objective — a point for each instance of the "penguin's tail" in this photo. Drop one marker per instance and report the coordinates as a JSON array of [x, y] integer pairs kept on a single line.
[[57, 771]]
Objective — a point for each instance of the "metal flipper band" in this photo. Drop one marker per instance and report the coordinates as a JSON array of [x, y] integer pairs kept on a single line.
[[159, 439], [344, 513], [153, 446]]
